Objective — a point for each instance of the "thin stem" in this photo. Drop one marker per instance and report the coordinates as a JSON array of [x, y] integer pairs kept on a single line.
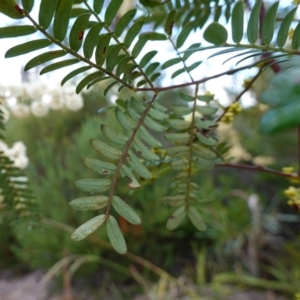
[[239, 96], [124, 155], [258, 168], [124, 48], [178, 86], [80, 57]]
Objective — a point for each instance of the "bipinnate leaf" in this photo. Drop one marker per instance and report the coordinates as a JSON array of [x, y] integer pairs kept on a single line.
[[176, 219], [196, 218], [93, 185], [124, 210], [115, 235], [112, 10], [216, 34], [252, 29], [89, 203], [269, 24], [62, 18], [87, 228], [284, 28], [237, 22], [27, 47], [124, 21], [16, 31], [46, 12]]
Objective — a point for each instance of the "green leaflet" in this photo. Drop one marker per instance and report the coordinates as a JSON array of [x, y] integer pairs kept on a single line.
[[146, 136], [97, 5], [284, 28], [201, 123], [281, 118], [203, 151], [132, 32], [124, 120], [184, 33], [176, 219], [157, 114], [147, 58], [78, 11], [77, 31], [124, 21], [174, 201], [178, 151], [87, 228], [89, 203], [99, 166], [138, 166], [196, 218], [16, 31], [237, 22], [74, 73], [11, 9], [143, 150], [207, 110], [87, 79], [109, 86], [252, 29], [96, 80], [27, 5], [170, 22], [149, 122], [189, 51], [181, 110], [105, 149], [151, 68], [203, 164], [123, 65], [93, 185], [102, 47], [91, 40], [170, 62], [216, 34], [113, 136], [43, 58], [27, 47], [296, 38], [179, 124], [178, 138], [61, 19], [115, 235], [124, 210], [112, 56], [112, 10], [59, 65], [206, 140], [177, 73], [126, 172], [132, 112], [269, 24], [181, 164], [159, 107]]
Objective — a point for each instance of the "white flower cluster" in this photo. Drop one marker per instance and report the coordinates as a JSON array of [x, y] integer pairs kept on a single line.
[[38, 99], [17, 154]]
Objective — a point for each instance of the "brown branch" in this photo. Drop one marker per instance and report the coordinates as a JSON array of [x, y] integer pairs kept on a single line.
[[258, 168], [177, 86]]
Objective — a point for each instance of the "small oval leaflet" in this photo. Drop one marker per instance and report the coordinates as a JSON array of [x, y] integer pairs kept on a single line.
[[89, 203], [93, 184], [196, 218], [124, 210], [176, 218], [87, 228], [115, 235]]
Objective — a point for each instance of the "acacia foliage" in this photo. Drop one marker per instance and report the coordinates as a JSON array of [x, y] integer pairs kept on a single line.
[[106, 46]]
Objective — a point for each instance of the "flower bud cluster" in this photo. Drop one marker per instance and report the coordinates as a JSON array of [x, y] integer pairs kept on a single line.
[[232, 110]]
